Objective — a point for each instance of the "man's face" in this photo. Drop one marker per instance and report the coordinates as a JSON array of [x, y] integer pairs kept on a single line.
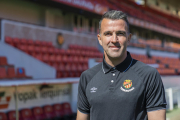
[[114, 38]]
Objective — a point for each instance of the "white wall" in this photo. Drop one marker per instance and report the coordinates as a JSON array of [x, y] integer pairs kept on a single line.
[[22, 30], [33, 66]]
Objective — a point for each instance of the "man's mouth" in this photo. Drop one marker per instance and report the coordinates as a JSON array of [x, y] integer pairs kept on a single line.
[[115, 47]]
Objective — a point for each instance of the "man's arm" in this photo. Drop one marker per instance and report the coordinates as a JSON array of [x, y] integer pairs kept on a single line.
[[82, 116], [157, 115]]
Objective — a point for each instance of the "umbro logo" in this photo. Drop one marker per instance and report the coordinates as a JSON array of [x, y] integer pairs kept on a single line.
[[93, 89]]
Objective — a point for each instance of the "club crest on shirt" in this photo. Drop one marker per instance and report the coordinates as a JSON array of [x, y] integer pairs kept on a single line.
[[127, 86]]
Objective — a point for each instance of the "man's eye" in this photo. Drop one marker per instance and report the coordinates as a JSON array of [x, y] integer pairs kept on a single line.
[[108, 33], [120, 33]]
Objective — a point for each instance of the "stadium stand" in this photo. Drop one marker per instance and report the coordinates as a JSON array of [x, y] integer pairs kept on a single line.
[[7, 71], [155, 45], [3, 116], [48, 112], [26, 114], [11, 115], [58, 111], [68, 63], [73, 61], [38, 113]]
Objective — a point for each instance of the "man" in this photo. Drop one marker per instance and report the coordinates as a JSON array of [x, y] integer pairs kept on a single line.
[[119, 88]]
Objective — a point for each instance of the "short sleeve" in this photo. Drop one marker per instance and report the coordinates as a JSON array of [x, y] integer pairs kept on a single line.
[[83, 104], [155, 94]]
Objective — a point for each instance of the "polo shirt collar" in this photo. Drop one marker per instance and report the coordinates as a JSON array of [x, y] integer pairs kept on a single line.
[[122, 67]]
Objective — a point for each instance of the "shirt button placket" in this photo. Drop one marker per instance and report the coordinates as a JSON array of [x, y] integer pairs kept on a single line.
[[113, 78]]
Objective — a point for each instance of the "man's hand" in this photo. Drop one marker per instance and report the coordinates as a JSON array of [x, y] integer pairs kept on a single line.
[[82, 116], [157, 115]]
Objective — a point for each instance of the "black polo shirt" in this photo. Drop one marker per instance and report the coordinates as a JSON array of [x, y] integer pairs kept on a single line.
[[125, 92]]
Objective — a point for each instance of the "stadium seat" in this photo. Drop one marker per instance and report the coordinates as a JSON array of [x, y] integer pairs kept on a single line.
[[16, 42], [43, 43], [68, 114], [61, 71], [37, 43], [68, 71], [3, 116], [30, 42], [9, 40], [44, 49], [21, 73], [64, 58], [58, 111], [23, 41], [49, 44], [51, 51], [38, 113], [26, 114], [48, 112], [39, 57], [11, 73], [58, 59], [12, 115], [45, 58], [3, 61], [3, 74], [23, 48], [55, 65], [37, 50], [52, 59], [31, 49]]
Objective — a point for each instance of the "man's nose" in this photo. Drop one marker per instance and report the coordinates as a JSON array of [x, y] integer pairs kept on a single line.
[[114, 38]]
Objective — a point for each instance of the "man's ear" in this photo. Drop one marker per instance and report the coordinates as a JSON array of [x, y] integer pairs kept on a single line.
[[99, 39], [129, 38]]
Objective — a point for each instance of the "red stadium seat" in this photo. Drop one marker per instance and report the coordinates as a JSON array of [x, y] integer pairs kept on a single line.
[[39, 57], [23, 48], [44, 49], [45, 58], [11, 115], [64, 58], [9, 40], [3, 74], [44, 43], [56, 51], [68, 114], [31, 49], [30, 42], [23, 41], [3, 61], [26, 114], [51, 51], [16, 42], [61, 71], [3, 116], [58, 111], [62, 52], [37, 43], [48, 111], [55, 65], [58, 59], [11, 72], [38, 113], [52, 59], [49, 44], [38, 49], [21, 73]]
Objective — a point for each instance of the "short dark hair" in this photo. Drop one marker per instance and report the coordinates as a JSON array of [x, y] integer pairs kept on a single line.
[[114, 15]]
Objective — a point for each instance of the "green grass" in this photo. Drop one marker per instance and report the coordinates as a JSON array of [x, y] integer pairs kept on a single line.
[[174, 114]]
